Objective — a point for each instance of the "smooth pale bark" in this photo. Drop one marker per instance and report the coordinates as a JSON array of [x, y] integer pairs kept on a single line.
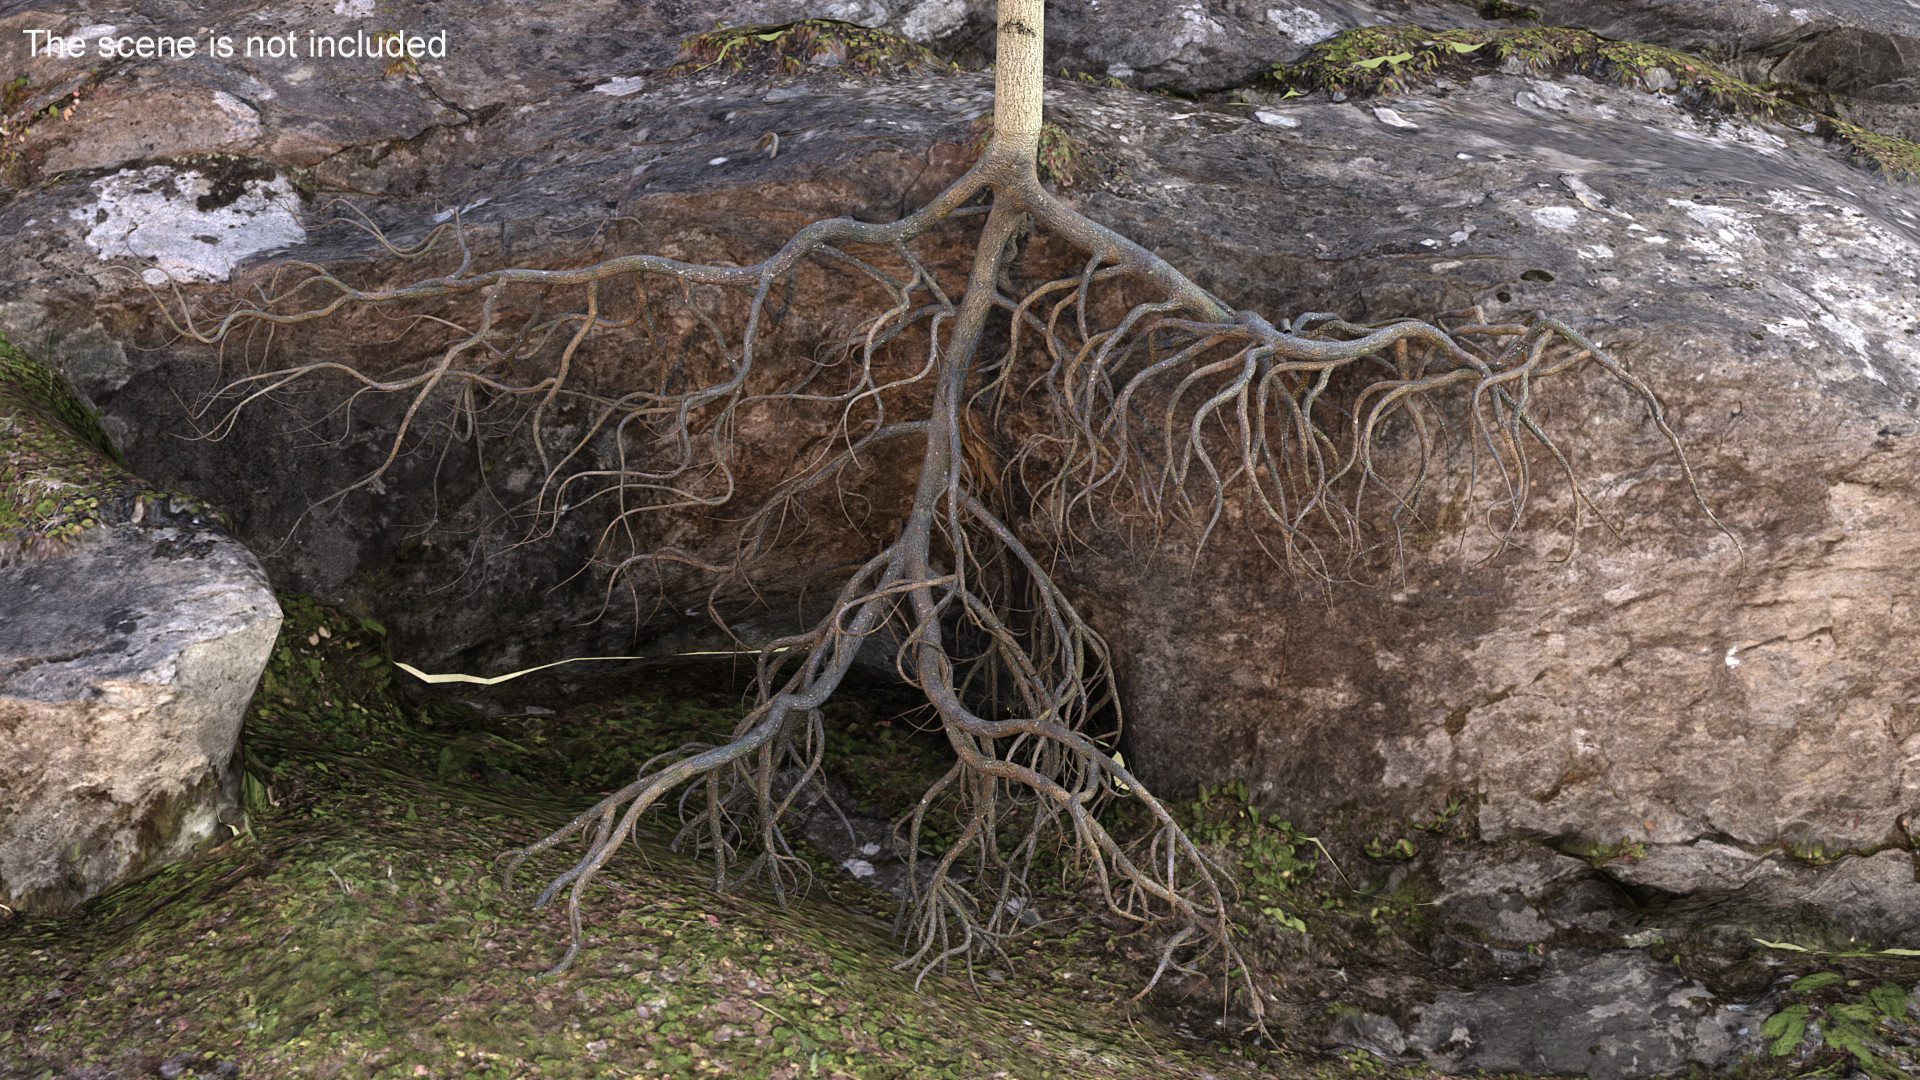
[[1018, 69]]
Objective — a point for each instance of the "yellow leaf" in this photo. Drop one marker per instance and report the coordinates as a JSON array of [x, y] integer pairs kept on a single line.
[[481, 680]]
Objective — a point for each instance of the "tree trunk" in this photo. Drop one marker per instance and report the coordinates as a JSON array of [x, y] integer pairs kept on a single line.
[[1018, 67]]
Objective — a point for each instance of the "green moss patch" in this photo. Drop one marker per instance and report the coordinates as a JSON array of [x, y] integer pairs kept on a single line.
[[1894, 156], [796, 47], [59, 474], [353, 924], [1394, 59]]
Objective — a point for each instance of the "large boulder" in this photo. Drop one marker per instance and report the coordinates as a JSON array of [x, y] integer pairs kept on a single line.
[[132, 633], [1675, 684], [1681, 684]]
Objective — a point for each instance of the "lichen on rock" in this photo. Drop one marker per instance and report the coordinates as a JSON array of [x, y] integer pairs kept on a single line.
[[194, 221]]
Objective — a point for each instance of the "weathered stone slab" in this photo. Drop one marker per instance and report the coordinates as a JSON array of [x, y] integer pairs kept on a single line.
[[1659, 688], [1857, 902]]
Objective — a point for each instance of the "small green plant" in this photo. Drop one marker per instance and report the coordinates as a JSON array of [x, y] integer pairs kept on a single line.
[[1443, 818], [1850, 1021], [1270, 857], [1445, 822], [1381, 847], [13, 93], [1106, 82]]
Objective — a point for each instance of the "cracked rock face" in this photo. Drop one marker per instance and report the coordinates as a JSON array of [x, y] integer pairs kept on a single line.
[[128, 654], [1670, 687]]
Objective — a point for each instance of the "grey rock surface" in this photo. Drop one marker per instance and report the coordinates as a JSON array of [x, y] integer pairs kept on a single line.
[[1516, 894], [1669, 692], [301, 112], [1874, 897], [1602, 1015], [1703, 864], [1191, 47], [1857, 902], [1862, 51], [1195, 47], [1660, 690]]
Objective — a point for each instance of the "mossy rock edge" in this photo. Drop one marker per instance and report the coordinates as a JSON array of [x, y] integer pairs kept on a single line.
[[61, 477]]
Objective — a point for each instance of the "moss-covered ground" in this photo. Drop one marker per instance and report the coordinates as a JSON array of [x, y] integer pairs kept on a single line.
[[61, 478], [354, 927], [794, 47]]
